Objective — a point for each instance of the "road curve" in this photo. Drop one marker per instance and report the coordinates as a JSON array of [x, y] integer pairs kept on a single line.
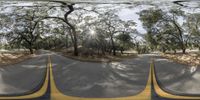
[[24, 77], [173, 77]]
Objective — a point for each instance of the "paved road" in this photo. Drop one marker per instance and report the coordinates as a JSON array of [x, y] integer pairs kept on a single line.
[[88, 79], [173, 78], [24, 77]]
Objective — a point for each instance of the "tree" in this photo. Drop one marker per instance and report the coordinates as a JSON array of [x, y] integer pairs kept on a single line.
[[164, 27], [113, 25], [179, 33], [150, 18], [125, 41], [23, 27], [71, 28], [166, 40], [192, 25]]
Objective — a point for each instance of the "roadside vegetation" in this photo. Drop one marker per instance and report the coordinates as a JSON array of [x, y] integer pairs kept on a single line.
[[91, 32]]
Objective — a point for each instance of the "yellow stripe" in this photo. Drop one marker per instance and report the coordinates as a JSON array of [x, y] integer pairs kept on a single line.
[[39, 93], [57, 95], [164, 94]]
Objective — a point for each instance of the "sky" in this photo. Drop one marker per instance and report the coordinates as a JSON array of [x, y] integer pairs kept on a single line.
[[131, 14]]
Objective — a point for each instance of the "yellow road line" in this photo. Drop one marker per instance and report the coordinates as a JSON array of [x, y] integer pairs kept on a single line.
[[164, 94], [57, 95], [39, 93]]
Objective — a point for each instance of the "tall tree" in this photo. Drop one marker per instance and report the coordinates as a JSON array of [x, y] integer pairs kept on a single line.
[[179, 33], [149, 19], [72, 29], [165, 23], [193, 27], [24, 27], [125, 41], [113, 25]]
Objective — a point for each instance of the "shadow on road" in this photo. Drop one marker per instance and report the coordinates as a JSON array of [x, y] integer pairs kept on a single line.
[[89, 79], [23, 78], [174, 78]]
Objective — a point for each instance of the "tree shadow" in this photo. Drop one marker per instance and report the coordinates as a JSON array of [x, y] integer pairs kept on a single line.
[[173, 77], [23, 78], [90, 79]]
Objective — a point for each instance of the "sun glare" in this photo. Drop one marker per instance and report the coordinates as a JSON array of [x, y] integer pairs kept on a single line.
[[92, 32]]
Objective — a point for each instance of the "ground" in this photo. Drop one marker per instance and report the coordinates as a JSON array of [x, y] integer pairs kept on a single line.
[[98, 79], [105, 79], [188, 58], [23, 77], [94, 57], [175, 78], [13, 57]]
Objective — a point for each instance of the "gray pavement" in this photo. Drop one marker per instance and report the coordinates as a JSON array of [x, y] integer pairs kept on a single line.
[[100, 80], [88, 79], [24, 77], [175, 78]]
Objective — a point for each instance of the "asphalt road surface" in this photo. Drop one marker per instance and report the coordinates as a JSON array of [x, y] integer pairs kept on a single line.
[[88, 79], [24, 77], [99, 80], [175, 78]]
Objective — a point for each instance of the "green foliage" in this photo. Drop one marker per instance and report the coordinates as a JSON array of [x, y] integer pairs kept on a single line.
[[125, 41], [32, 29], [164, 32], [150, 17]]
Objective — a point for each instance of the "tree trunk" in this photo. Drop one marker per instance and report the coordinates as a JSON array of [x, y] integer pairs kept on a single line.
[[183, 50], [122, 52], [110, 50], [75, 44], [113, 46], [54, 44], [163, 50], [31, 50], [114, 51], [174, 51], [66, 45], [102, 50]]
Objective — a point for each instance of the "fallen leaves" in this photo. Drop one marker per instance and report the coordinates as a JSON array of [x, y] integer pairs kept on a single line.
[[11, 58], [189, 59]]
